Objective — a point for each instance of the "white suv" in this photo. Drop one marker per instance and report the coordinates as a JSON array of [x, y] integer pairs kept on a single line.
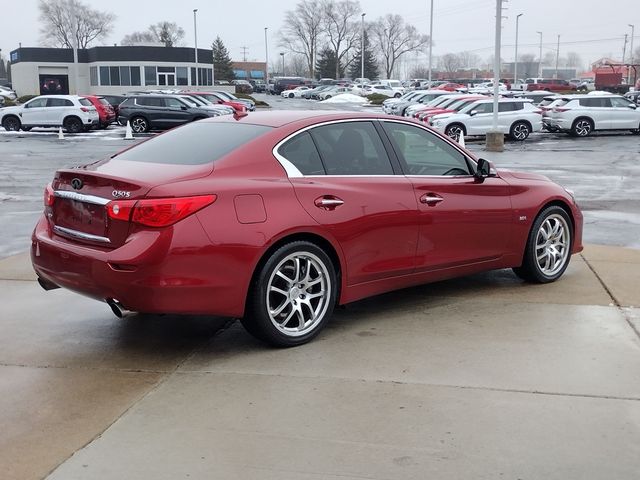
[[71, 112], [516, 117], [580, 115]]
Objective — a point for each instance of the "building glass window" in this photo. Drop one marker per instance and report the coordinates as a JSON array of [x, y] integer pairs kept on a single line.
[[135, 76], [93, 76], [193, 76], [182, 76], [104, 76], [125, 75], [150, 76], [114, 72], [166, 70]]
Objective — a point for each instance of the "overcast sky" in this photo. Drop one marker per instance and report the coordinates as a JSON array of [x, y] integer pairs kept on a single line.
[[586, 27]]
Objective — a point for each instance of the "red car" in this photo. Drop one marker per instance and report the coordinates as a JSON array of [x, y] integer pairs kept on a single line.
[[551, 85], [279, 216], [450, 87], [218, 100], [438, 103], [456, 106], [106, 113]]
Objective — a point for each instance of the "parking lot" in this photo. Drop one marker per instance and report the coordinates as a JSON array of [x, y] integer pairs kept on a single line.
[[480, 377]]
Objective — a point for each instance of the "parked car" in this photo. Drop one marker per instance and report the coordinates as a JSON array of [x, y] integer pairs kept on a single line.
[[438, 103], [580, 115], [71, 112], [156, 112], [587, 85], [106, 114], [218, 99], [487, 88], [633, 96], [516, 117], [295, 92], [6, 92], [243, 86], [432, 101], [277, 217], [259, 86], [396, 106], [451, 87], [312, 93], [453, 107], [377, 88], [2, 101], [114, 101], [201, 102], [551, 85], [332, 92], [249, 104], [282, 83]]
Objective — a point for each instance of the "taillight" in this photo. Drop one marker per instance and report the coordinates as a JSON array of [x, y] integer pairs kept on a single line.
[[157, 212], [84, 109], [49, 196]]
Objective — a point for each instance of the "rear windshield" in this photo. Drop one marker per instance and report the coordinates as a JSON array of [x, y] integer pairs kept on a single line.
[[193, 144], [85, 102], [103, 101]]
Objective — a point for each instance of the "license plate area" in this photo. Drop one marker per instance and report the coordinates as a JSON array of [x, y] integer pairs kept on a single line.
[[80, 216]]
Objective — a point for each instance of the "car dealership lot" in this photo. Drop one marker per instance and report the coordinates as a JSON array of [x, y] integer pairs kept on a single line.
[[481, 377]]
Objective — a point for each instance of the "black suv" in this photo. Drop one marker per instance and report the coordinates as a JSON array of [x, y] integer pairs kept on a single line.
[[156, 112]]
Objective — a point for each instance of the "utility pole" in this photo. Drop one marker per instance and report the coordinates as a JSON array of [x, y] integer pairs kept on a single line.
[[495, 138], [195, 35], [557, 55], [430, 41], [624, 48], [244, 53], [540, 57], [266, 61], [515, 65], [362, 51], [633, 28]]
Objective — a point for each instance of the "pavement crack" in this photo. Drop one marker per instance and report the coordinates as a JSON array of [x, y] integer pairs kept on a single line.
[[615, 301]]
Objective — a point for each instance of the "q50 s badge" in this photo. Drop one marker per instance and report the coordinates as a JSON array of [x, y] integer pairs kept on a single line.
[[121, 194]]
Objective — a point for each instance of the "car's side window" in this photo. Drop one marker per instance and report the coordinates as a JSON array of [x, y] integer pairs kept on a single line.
[[173, 102], [351, 148], [59, 102], [37, 103], [619, 102], [424, 153], [301, 151], [483, 108]]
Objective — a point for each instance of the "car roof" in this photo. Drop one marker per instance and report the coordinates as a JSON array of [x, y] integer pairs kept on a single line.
[[278, 118]]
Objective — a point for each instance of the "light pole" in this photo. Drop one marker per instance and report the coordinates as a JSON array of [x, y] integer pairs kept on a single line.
[[266, 60], [495, 138], [540, 57], [430, 41], [557, 55], [282, 55], [633, 28], [515, 66], [195, 34], [362, 50]]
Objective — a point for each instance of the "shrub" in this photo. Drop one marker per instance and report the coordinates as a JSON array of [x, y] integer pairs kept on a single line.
[[25, 98], [8, 103], [376, 98]]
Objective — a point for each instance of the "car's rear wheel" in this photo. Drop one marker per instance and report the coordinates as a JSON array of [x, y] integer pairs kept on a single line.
[[397, 95], [582, 127], [73, 125], [327, 96], [454, 131], [636, 131], [292, 295], [548, 248], [520, 131], [139, 125], [11, 124]]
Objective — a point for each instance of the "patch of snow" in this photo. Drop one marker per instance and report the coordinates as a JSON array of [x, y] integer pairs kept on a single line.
[[346, 98]]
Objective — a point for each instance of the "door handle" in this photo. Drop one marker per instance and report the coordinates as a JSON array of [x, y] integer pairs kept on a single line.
[[328, 202], [431, 199]]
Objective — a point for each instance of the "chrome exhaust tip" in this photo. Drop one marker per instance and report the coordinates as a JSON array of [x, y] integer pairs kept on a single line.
[[117, 308]]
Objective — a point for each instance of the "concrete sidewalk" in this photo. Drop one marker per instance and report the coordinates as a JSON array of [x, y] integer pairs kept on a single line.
[[480, 377]]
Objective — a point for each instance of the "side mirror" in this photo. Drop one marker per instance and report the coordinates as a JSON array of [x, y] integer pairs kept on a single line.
[[473, 112], [483, 169], [183, 107], [633, 106]]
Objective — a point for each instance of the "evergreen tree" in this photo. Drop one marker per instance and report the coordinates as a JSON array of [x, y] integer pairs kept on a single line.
[[370, 63], [223, 69], [326, 64], [3, 70]]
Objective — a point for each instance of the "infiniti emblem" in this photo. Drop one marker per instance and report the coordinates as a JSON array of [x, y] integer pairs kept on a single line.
[[76, 183]]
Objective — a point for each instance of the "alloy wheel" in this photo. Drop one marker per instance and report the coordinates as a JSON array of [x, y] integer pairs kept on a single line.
[[298, 293], [553, 241], [582, 128], [139, 125], [454, 132], [520, 131]]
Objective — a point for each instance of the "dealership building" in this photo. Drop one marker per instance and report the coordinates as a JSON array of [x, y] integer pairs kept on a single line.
[[117, 69]]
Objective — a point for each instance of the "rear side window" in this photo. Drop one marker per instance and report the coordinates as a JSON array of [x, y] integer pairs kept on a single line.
[[510, 106], [62, 102], [85, 103], [351, 148], [595, 102], [150, 101], [301, 151], [194, 143]]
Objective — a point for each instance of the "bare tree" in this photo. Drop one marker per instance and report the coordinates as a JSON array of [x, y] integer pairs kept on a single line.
[[297, 65], [469, 59], [302, 31], [341, 29], [168, 33], [71, 23], [393, 38], [138, 37], [450, 62], [573, 60]]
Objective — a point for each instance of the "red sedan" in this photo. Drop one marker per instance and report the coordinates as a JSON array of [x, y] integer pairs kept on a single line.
[[278, 217]]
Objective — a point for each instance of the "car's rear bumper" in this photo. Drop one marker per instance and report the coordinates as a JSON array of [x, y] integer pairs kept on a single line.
[[155, 271]]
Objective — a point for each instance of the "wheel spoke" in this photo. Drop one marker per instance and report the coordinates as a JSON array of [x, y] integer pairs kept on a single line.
[[286, 320], [301, 321], [284, 277], [278, 290], [279, 310]]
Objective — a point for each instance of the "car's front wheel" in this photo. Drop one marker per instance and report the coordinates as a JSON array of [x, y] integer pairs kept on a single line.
[[520, 131], [582, 127], [11, 124], [139, 125], [454, 131], [292, 295], [548, 249], [291, 95]]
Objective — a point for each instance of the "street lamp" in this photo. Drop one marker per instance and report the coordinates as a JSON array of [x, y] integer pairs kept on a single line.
[[195, 34], [266, 60], [430, 41], [282, 55], [633, 28], [540, 57], [557, 55], [362, 50], [515, 67]]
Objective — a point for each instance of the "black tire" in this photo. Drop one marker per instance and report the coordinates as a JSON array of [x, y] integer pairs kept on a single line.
[[73, 125], [291, 95], [328, 96], [11, 124], [636, 131], [520, 131], [531, 269], [139, 125], [454, 130], [26, 129], [397, 95], [293, 299], [582, 127]]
